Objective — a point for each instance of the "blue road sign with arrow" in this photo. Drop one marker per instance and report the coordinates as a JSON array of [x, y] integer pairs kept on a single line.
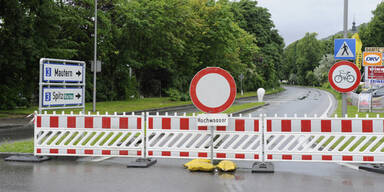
[[345, 48]]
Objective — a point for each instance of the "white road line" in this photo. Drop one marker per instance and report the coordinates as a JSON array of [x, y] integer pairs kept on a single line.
[[98, 159], [329, 106], [93, 159]]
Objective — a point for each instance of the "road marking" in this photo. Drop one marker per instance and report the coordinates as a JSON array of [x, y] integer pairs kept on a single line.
[[98, 159], [329, 106], [93, 159]]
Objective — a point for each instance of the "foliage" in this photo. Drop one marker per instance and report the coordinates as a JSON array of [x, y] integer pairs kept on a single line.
[[301, 57], [146, 46], [321, 71], [257, 21], [311, 78], [372, 34], [174, 94]]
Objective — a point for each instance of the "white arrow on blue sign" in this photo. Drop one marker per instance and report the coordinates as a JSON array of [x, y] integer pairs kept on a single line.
[[60, 96], [56, 72], [345, 49]]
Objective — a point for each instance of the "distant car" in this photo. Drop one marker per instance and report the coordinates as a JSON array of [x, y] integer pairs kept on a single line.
[[378, 92]]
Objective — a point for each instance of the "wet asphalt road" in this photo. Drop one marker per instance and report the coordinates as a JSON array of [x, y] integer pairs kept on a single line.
[[12, 129], [299, 101], [18, 133], [168, 175]]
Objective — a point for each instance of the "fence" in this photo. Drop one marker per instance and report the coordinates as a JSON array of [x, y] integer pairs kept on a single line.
[[89, 135], [284, 139]]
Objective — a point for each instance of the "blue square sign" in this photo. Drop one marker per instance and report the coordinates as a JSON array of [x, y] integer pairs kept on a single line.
[[345, 49]]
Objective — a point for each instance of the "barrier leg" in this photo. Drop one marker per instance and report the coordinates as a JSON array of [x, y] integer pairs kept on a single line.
[[263, 167], [143, 162], [27, 158]]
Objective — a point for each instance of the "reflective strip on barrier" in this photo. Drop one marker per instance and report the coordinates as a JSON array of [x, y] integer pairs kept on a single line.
[[324, 139], [89, 135], [180, 137]]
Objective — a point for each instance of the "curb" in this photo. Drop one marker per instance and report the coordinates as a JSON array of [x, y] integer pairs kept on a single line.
[[250, 109]]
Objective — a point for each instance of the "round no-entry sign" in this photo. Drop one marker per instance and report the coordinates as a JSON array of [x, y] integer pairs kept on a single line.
[[344, 76], [212, 90]]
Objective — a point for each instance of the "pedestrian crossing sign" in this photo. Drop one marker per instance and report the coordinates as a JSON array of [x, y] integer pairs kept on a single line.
[[345, 48]]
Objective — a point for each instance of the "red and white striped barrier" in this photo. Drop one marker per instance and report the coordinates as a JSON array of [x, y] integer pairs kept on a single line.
[[89, 135], [324, 139], [180, 137], [356, 140]]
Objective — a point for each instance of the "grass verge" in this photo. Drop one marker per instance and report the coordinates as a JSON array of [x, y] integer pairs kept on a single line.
[[123, 106], [18, 146]]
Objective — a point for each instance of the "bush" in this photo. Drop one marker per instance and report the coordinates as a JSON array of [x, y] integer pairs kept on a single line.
[[174, 94], [185, 97]]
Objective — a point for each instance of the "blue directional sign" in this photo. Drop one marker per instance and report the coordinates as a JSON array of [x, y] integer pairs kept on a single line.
[[345, 48]]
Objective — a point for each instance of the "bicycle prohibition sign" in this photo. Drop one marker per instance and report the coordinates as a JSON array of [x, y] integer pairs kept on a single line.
[[344, 76]]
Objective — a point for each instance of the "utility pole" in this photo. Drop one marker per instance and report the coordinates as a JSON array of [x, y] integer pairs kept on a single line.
[[95, 60], [344, 95]]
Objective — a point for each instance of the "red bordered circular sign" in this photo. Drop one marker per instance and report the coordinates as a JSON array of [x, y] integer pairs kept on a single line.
[[212, 90], [344, 76]]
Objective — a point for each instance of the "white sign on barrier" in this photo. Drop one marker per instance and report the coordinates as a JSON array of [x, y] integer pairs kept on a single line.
[[60, 72], [59, 96], [220, 119]]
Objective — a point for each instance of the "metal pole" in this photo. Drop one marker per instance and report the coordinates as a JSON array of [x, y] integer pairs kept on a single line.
[[41, 97], [344, 96], [95, 60], [212, 127], [345, 18]]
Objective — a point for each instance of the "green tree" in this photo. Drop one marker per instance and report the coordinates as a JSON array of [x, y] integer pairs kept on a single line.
[[372, 35], [257, 21], [321, 71], [303, 56]]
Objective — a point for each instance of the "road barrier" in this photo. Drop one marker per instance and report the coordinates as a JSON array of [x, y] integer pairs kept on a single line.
[[306, 139], [180, 137], [89, 135], [358, 140]]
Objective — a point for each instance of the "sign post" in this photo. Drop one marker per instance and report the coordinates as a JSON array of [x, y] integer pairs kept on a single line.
[[212, 90], [61, 84]]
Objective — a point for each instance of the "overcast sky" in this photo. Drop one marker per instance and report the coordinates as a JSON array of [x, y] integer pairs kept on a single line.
[[293, 18]]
